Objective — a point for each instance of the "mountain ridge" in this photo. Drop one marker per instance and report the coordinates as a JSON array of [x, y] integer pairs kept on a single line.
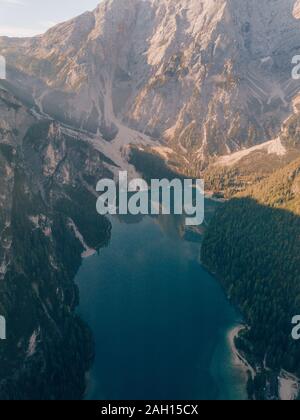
[[45, 229], [205, 77]]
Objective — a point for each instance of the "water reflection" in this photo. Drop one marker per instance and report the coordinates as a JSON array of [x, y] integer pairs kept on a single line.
[[157, 316]]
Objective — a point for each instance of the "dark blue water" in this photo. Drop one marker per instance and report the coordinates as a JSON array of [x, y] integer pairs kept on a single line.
[[160, 321]]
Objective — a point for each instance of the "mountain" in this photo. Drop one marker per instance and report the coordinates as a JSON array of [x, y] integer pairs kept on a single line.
[[46, 176], [234, 173], [252, 245], [206, 77], [198, 84]]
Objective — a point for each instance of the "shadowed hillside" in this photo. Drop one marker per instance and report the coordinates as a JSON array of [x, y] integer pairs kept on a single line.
[[253, 245]]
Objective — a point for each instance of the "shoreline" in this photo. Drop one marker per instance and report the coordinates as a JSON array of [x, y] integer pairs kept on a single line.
[[238, 359], [288, 383]]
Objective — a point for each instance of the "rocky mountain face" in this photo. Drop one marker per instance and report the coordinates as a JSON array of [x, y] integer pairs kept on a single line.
[[45, 229], [208, 77]]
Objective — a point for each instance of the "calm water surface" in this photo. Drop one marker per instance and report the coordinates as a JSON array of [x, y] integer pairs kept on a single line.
[[160, 321]]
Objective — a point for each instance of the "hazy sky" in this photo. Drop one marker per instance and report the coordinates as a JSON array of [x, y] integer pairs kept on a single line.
[[32, 17]]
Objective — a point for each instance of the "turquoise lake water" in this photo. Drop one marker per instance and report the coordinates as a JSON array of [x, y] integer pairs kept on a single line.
[[160, 321]]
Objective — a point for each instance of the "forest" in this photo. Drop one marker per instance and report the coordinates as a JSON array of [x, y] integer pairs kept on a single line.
[[253, 246]]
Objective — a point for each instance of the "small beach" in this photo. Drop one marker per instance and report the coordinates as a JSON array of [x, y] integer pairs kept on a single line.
[[239, 360], [229, 366]]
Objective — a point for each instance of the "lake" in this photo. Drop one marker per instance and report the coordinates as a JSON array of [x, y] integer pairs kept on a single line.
[[160, 321]]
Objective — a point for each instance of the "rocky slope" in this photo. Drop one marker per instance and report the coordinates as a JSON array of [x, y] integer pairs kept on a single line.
[[208, 77], [46, 175], [232, 173]]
